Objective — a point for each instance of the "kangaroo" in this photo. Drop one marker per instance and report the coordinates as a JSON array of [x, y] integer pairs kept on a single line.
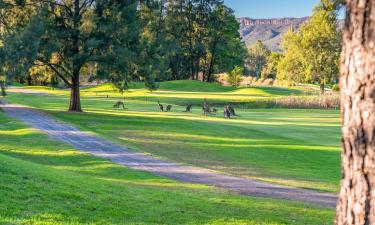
[[227, 112], [206, 108], [231, 110], [118, 104], [161, 107], [188, 108], [169, 108]]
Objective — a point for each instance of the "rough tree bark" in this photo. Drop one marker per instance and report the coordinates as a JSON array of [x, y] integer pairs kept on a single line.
[[356, 203], [75, 98]]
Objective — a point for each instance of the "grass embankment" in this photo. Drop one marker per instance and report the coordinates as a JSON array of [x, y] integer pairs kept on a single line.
[[47, 182], [293, 147]]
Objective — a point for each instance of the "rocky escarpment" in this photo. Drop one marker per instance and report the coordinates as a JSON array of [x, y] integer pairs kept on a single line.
[[267, 30]]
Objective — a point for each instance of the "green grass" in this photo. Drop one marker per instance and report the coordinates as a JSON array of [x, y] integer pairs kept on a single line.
[[47, 182], [292, 147]]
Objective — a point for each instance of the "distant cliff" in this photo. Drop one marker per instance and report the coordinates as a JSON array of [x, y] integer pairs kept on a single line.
[[267, 30], [270, 30]]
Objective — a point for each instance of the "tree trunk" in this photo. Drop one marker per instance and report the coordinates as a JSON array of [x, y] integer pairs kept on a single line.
[[356, 203], [2, 87], [321, 87], [211, 67], [75, 97]]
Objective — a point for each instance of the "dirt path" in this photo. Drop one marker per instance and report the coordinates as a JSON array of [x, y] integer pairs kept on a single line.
[[97, 146]]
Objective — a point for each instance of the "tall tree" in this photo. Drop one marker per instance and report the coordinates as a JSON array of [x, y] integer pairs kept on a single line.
[[68, 35], [314, 48], [356, 203], [270, 69], [257, 58], [321, 40]]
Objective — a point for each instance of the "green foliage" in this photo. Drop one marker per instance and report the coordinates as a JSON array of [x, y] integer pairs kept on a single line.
[[335, 87], [270, 69], [257, 58], [202, 39], [235, 76], [312, 53]]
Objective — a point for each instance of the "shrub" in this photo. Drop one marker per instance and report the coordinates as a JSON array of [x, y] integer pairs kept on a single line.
[[235, 76], [247, 81], [222, 78], [335, 87]]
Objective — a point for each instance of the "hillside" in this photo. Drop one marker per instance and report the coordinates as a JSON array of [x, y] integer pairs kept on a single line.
[[270, 30], [267, 30]]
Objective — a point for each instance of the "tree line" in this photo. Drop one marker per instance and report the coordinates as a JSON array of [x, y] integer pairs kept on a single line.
[[310, 54], [117, 41]]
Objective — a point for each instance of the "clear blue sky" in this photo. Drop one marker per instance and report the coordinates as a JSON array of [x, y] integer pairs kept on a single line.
[[272, 8]]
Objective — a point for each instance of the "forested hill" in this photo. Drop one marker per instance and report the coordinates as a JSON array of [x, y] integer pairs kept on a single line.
[[267, 30]]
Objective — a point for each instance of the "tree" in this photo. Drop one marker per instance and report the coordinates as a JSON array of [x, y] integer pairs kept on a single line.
[[202, 38], [2, 87], [270, 69], [257, 58], [66, 36], [315, 48], [322, 43], [290, 69], [235, 76], [356, 199]]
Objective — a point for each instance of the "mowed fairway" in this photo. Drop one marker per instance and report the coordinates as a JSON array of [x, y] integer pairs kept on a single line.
[[46, 182], [293, 147]]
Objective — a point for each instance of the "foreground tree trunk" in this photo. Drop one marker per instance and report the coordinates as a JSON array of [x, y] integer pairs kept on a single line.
[[356, 203]]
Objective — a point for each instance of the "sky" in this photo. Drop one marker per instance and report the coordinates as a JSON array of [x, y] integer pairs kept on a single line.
[[271, 8]]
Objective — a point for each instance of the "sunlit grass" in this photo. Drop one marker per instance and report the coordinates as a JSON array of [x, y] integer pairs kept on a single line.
[[47, 182], [291, 147]]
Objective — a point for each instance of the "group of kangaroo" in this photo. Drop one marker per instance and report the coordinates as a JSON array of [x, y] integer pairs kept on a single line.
[[228, 110]]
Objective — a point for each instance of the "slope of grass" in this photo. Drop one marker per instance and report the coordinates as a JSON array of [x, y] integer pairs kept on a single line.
[[292, 147], [46, 182]]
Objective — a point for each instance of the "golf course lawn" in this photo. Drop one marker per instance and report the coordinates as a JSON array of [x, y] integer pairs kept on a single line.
[[47, 182], [298, 148]]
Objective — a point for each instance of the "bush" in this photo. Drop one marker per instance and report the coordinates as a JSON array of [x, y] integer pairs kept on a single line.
[[235, 76], [222, 79], [336, 87]]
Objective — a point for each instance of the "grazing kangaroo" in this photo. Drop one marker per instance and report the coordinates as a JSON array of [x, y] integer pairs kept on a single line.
[[118, 104], [188, 108], [206, 108], [169, 108], [227, 113], [231, 110], [161, 107]]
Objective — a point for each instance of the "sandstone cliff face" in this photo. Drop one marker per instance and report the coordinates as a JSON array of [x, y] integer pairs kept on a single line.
[[244, 21], [267, 30]]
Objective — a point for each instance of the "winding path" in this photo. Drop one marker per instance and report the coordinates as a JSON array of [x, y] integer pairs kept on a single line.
[[97, 146]]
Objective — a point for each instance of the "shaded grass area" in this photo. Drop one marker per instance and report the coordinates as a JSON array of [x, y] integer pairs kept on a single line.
[[46, 182], [292, 147]]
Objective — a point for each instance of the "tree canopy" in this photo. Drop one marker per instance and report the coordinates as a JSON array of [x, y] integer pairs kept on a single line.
[[117, 41], [312, 53]]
